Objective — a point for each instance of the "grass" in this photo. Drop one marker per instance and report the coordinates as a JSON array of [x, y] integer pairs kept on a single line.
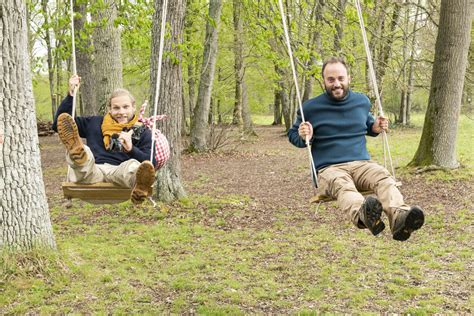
[[183, 259], [188, 258], [404, 143]]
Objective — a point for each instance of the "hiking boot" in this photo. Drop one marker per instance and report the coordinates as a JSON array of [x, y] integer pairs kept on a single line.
[[407, 222], [369, 215], [145, 177], [69, 135]]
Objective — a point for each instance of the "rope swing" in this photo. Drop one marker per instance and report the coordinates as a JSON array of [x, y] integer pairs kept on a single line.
[[295, 79], [158, 73], [73, 52], [373, 78], [103, 192]]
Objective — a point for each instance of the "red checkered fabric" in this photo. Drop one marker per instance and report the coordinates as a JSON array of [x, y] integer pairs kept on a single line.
[[162, 147]]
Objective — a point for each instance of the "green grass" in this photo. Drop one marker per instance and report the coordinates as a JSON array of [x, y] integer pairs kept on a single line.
[[182, 259], [188, 258], [404, 142], [43, 98]]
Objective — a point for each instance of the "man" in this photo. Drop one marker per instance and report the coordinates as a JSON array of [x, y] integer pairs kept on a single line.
[[336, 124], [117, 150]]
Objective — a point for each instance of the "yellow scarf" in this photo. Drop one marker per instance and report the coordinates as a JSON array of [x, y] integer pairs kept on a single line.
[[111, 126]]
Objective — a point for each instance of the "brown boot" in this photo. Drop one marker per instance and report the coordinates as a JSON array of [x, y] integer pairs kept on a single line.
[[69, 135], [145, 178], [407, 222], [369, 215]]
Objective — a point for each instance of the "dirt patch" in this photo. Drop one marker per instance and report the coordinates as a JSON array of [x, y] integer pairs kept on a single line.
[[273, 174]]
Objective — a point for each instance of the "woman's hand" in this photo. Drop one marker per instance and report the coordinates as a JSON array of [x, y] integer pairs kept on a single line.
[[74, 82], [126, 139]]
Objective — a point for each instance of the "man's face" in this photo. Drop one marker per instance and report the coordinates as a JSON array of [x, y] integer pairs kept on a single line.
[[336, 80], [122, 109]]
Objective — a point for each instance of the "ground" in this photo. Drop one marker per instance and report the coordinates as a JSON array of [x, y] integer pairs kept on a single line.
[[287, 255], [272, 173]]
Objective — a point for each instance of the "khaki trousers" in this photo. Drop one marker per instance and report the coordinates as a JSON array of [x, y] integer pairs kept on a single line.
[[343, 182], [122, 175]]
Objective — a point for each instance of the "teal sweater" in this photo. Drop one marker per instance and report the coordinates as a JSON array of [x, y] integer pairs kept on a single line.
[[339, 128]]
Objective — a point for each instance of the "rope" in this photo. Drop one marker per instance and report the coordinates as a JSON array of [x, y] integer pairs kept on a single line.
[[295, 78], [73, 51], [158, 73], [374, 84]]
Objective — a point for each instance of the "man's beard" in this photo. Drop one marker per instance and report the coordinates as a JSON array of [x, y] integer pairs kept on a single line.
[[330, 92]]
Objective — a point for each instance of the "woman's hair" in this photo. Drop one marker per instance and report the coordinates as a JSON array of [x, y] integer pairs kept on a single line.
[[118, 93]]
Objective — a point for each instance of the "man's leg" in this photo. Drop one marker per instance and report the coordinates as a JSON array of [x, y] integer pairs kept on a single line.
[[122, 175], [85, 173], [69, 135], [132, 174], [79, 157], [403, 219], [369, 175], [337, 182], [145, 177]]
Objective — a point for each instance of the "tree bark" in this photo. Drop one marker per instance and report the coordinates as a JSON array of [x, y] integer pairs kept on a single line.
[[277, 118], [246, 115], [168, 184], [200, 128], [411, 69], [24, 215], [315, 47], [84, 61], [49, 56], [403, 95], [238, 62], [340, 25], [438, 140], [107, 53], [284, 98], [191, 71]]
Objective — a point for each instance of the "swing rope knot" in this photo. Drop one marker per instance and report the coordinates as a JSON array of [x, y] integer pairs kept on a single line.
[[162, 147]]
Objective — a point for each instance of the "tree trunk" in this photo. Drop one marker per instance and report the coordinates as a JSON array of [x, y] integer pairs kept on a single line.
[[85, 66], [438, 140], [378, 14], [49, 56], [191, 70], [191, 89], [277, 119], [24, 215], [238, 62], [107, 54], [387, 45], [403, 95], [246, 115], [411, 69], [168, 184], [340, 25], [316, 47], [200, 128], [284, 98]]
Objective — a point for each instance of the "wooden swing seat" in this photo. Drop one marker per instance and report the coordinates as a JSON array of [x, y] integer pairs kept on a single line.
[[320, 198], [101, 192]]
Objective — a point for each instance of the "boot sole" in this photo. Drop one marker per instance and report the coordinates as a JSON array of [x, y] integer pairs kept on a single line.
[[69, 135], [145, 178], [415, 219], [373, 214]]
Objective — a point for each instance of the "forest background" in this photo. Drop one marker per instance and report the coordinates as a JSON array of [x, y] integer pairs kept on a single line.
[[242, 237]]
